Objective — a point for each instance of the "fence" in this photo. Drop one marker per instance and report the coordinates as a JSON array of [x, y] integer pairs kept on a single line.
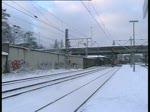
[[20, 57]]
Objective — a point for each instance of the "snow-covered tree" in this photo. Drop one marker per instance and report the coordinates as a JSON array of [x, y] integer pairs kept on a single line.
[[17, 34], [30, 40], [61, 43], [56, 44], [6, 29]]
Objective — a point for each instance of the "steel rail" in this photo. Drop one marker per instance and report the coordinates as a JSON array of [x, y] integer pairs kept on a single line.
[[69, 78], [72, 91], [95, 91], [37, 77]]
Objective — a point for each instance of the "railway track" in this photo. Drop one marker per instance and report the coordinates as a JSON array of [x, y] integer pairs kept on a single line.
[[66, 96], [9, 91], [40, 77], [53, 107]]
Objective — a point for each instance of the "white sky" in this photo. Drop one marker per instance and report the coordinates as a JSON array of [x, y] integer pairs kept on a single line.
[[113, 16]]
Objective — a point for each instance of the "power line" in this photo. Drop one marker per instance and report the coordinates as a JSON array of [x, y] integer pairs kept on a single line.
[[96, 21], [34, 33], [42, 14], [79, 33], [40, 26], [35, 25], [100, 19], [32, 13], [73, 29], [23, 8], [48, 11], [33, 17]]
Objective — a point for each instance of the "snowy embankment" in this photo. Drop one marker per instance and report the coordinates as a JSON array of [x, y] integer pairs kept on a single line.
[[26, 73], [55, 94], [127, 91]]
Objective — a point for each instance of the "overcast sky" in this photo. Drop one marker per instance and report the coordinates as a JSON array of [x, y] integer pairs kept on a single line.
[[55, 16]]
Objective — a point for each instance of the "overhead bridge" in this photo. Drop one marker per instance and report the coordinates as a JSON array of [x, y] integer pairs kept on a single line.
[[108, 50]]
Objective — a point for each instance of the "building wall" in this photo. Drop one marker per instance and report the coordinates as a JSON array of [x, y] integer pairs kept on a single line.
[[16, 54], [89, 62], [76, 61], [35, 59], [23, 57], [5, 47], [4, 57]]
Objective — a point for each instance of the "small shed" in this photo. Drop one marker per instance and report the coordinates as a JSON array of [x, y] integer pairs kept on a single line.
[[99, 59], [4, 61]]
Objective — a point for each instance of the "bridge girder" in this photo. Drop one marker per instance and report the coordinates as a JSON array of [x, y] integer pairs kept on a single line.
[[108, 50]]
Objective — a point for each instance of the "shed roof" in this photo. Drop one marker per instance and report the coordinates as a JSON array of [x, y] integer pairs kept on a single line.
[[95, 56], [4, 53]]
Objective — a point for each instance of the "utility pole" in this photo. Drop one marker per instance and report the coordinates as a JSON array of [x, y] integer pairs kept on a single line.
[[91, 36], [133, 21], [86, 43], [98, 57], [131, 56], [66, 46], [86, 48]]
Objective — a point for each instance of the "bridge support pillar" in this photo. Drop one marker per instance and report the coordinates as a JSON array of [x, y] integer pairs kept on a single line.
[[145, 58], [115, 56], [131, 59]]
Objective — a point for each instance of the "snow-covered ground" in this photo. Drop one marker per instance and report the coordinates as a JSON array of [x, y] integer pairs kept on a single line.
[[127, 91], [26, 73]]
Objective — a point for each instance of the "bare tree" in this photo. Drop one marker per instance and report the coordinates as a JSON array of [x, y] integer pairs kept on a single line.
[[17, 34], [30, 40], [6, 29], [61, 43], [56, 44]]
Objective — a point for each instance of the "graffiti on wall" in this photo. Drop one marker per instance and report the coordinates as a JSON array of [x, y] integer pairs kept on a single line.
[[45, 65], [16, 64]]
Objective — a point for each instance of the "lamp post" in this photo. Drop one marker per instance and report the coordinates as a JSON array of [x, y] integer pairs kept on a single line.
[[133, 21]]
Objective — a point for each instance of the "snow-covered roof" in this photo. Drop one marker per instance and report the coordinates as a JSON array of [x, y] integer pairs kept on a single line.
[[95, 56], [4, 53]]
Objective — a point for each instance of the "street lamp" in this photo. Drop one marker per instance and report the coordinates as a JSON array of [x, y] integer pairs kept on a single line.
[[133, 21]]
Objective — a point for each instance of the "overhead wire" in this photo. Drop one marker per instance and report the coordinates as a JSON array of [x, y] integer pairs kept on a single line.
[[73, 29], [26, 30], [42, 13], [35, 25], [100, 18], [95, 20], [33, 17], [23, 8], [32, 13]]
